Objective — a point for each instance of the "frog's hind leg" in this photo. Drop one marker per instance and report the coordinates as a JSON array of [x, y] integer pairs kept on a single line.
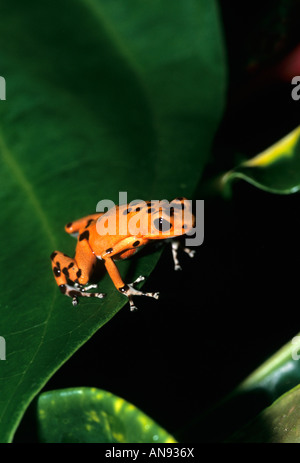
[[77, 291], [71, 278], [72, 228]]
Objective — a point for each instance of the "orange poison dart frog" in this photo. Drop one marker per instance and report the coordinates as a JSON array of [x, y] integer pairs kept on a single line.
[[130, 227]]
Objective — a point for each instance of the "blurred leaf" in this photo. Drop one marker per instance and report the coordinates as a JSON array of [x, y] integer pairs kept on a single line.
[[276, 170], [277, 375], [279, 423], [102, 97], [90, 415]]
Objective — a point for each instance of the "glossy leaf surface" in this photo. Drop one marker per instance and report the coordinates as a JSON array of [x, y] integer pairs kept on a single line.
[[102, 97], [90, 415], [276, 170]]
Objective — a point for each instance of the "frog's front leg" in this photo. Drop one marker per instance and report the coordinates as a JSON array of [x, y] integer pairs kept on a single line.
[[126, 289], [125, 248], [72, 275], [73, 228]]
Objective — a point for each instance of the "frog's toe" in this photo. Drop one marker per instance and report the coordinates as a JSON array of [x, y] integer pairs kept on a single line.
[[140, 278], [190, 252], [76, 291], [87, 287]]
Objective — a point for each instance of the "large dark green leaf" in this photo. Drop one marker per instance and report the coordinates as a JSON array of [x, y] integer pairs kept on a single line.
[[90, 415], [102, 97]]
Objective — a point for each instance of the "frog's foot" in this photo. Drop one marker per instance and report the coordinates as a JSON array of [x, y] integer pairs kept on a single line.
[[79, 291], [175, 246], [129, 291], [190, 252]]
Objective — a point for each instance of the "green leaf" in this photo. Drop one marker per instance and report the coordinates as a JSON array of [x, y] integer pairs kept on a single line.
[[278, 423], [274, 377], [276, 170], [90, 415], [102, 97]]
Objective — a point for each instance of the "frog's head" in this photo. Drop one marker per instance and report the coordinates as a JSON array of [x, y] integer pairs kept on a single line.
[[170, 219]]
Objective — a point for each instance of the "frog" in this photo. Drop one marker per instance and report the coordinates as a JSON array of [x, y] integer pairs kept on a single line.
[[150, 221]]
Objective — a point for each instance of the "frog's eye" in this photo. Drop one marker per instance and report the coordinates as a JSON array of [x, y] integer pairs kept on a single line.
[[162, 224]]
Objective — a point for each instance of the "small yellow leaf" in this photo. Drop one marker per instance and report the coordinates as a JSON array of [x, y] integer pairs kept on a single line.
[[284, 147]]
